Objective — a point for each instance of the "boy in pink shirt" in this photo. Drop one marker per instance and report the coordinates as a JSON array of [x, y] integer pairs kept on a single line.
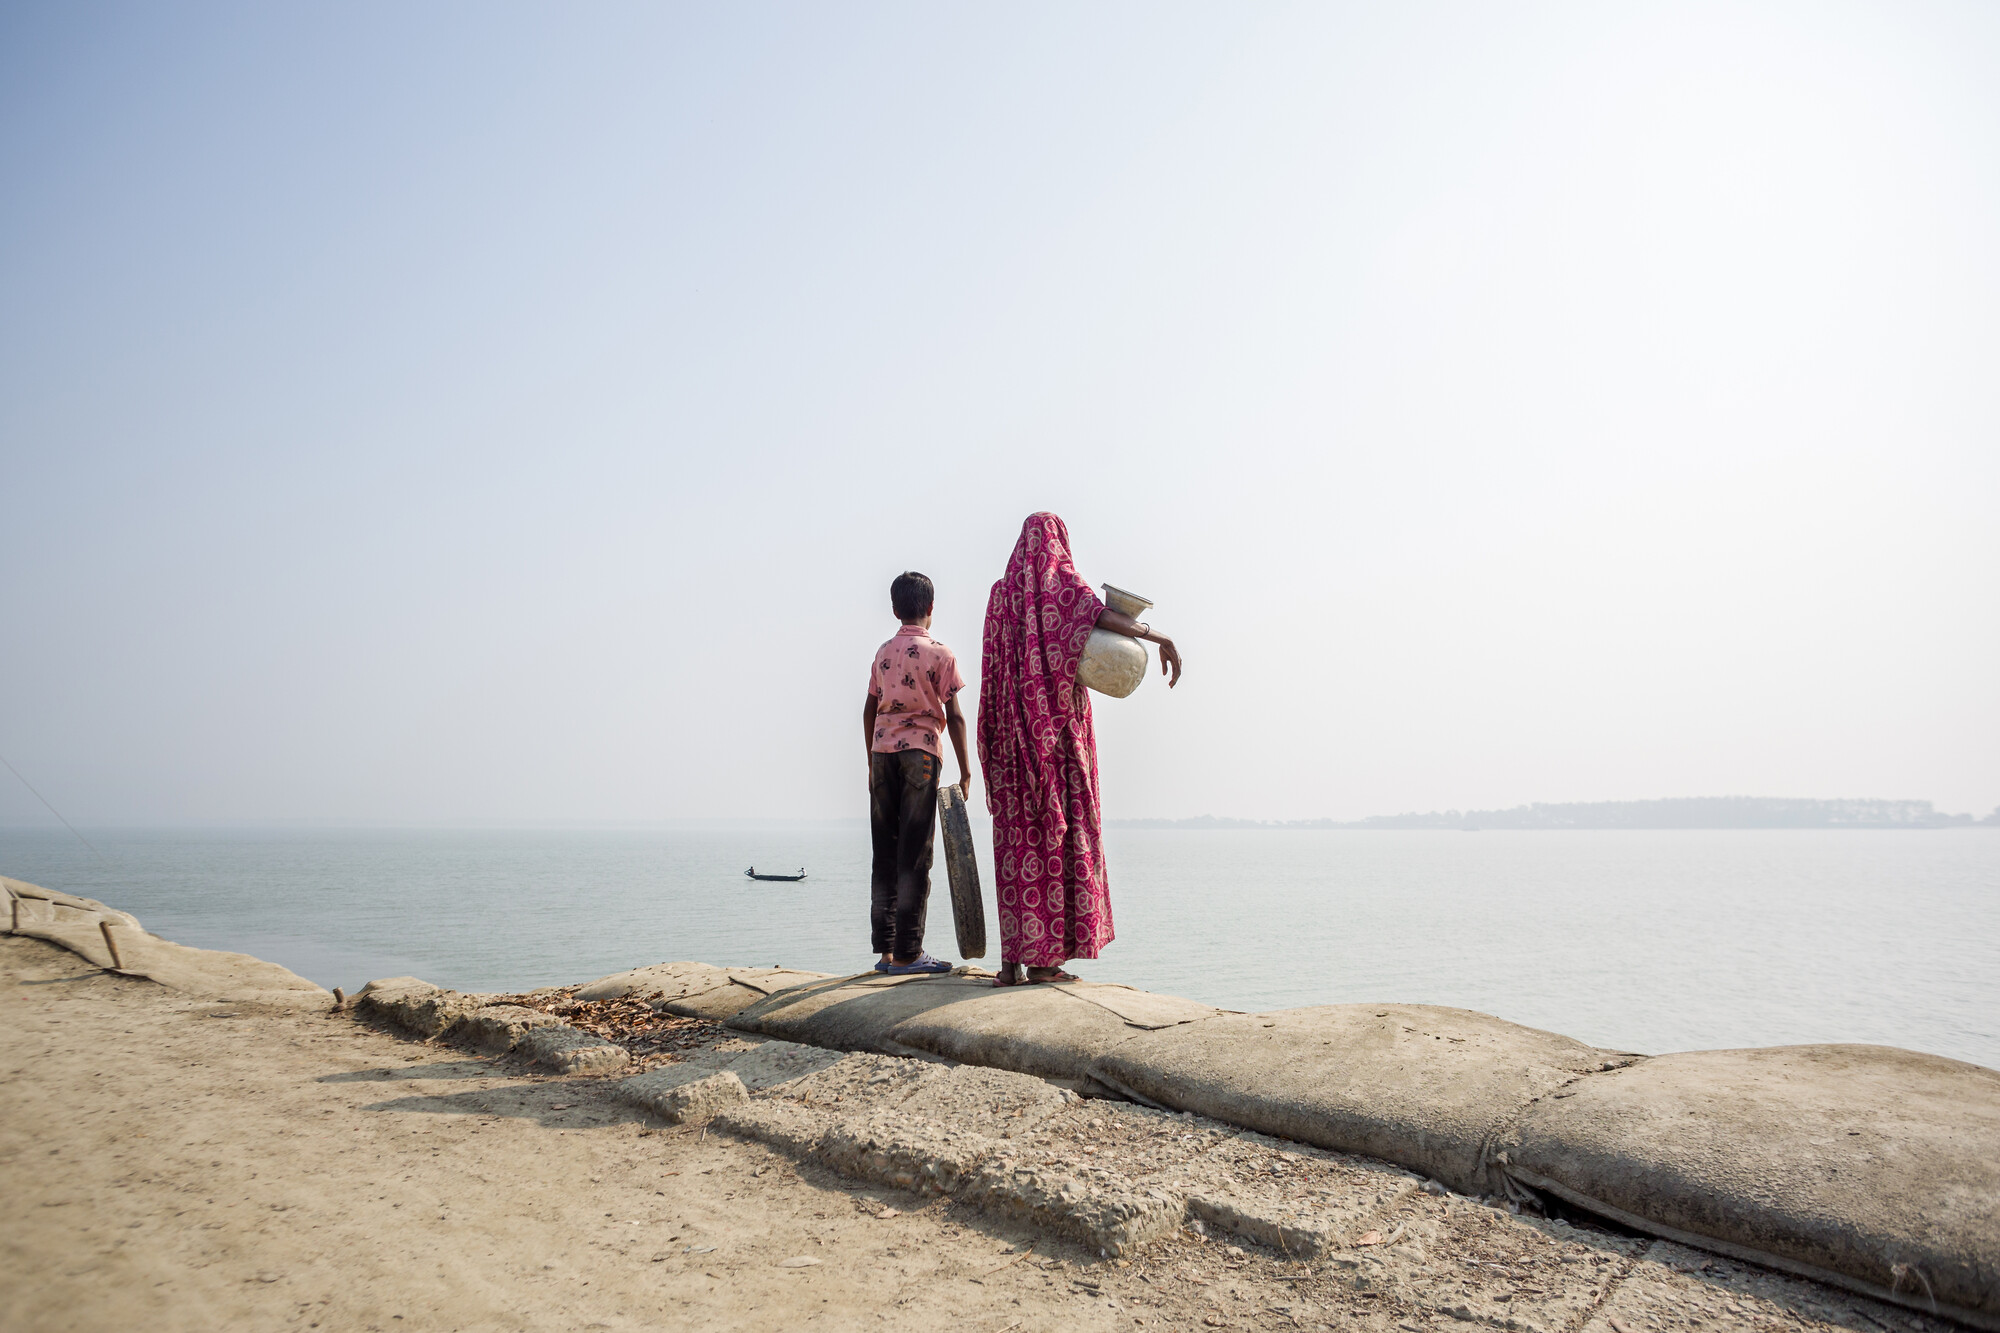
[[913, 686]]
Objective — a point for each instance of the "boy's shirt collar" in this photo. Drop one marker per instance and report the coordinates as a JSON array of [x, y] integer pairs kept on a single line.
[[912, 629]]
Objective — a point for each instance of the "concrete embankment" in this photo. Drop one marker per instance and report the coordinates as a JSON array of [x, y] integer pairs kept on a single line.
[[1865, 1167], [1868, 1167]]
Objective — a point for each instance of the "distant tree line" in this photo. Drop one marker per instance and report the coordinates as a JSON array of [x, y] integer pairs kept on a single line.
[[1686, 812]]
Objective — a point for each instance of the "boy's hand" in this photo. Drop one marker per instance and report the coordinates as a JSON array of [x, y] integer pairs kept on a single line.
[[965, 788]]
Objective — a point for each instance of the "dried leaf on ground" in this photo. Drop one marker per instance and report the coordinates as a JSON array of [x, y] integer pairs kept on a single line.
[[652, 1036]]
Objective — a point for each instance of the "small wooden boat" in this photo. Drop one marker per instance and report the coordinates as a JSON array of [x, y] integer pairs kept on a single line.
[[752, 873]]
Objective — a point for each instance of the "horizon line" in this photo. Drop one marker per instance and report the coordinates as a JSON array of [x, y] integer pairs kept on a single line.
[[1915, 808]]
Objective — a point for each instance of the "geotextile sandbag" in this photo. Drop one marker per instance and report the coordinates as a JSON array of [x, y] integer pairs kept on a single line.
[[1867, 1166], [568, 1050], [680, 1097], [774, 1063], [217, 973], [69, 927], [771, 1064], [1100, 1209], [696, 990], [1419, 1085], [1049, 1031], [660, 981], [739, 988], [417, 1006], [80, 925], [496, 1029], [16, 888], [852, 1013], [66, 920]]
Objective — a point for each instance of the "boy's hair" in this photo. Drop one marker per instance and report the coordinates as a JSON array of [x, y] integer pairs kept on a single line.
[[911, 595]]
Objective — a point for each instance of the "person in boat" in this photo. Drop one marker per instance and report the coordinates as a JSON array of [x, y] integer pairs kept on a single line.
[[912, 703], [1038, 752]]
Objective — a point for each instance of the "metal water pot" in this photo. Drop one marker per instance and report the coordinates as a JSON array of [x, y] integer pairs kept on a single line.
[[1113, 664]]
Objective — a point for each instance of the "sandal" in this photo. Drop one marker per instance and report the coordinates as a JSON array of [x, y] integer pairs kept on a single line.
[[1008, 975], [922, 965], [1061, 978]]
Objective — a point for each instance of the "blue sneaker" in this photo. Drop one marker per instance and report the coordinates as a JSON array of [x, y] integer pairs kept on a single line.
[[924, 964], [881, 965]]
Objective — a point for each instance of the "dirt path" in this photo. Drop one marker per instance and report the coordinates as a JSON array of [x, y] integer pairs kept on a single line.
[[174, 1164], [170, 1164]]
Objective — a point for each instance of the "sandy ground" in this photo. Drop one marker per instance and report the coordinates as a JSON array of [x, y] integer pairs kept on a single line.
[[170, 1164]]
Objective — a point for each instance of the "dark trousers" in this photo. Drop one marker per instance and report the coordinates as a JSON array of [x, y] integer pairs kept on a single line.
[[902, 811]]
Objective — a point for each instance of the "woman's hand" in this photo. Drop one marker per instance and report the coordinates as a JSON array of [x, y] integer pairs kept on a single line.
[[1120, 623]]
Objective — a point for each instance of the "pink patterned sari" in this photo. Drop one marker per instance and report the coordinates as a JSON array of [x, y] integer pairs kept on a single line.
[[1038, 755]]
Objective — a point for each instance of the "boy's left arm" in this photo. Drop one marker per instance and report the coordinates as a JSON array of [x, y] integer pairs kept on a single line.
[[868, 737], [954, 722]]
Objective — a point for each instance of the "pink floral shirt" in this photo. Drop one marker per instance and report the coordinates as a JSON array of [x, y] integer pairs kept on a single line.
[[912, 678]]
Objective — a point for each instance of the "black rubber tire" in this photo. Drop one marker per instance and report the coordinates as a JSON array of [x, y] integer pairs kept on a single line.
[[961, 867]]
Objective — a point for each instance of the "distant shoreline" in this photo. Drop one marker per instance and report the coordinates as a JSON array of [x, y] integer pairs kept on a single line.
[[1694, 812]]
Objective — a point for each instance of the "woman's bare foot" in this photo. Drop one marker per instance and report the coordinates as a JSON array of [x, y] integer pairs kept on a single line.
[[1008, 975]]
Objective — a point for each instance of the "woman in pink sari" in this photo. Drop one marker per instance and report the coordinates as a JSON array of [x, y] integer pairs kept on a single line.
[[1038, 753]]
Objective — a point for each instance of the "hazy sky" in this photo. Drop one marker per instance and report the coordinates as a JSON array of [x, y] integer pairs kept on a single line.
[[460, 412]]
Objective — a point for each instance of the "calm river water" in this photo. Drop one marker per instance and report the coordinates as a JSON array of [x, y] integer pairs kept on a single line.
[[1643, 941]]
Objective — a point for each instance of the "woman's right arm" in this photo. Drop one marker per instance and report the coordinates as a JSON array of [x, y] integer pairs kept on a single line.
[[1120, 623]]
